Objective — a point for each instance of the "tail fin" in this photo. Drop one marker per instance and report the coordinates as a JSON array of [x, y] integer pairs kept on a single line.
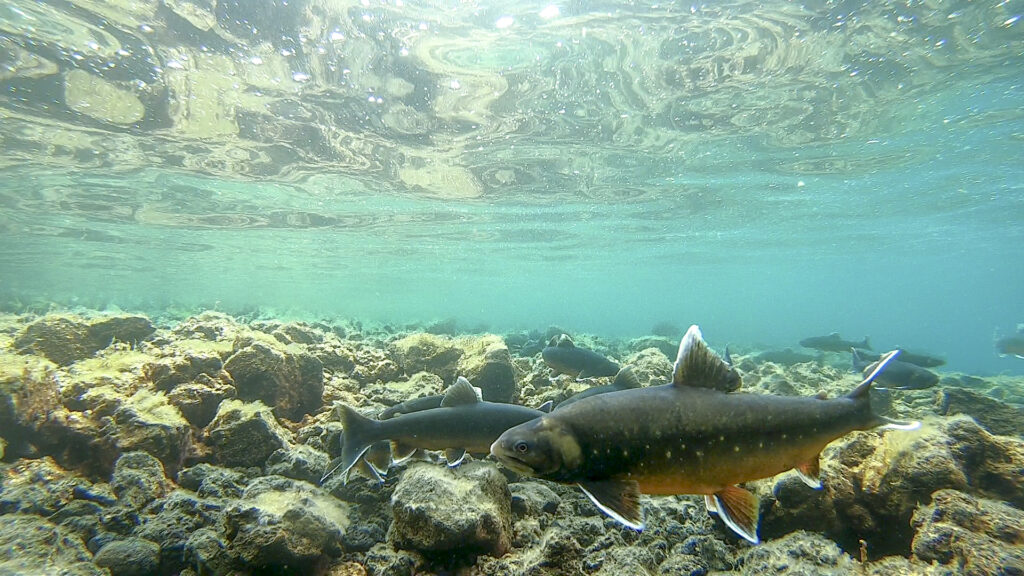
[[359, 435], [862, 393]]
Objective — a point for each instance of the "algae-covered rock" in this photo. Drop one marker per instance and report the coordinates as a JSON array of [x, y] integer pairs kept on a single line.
[[138, 479], [66, 339], [975, 536], [486, 363], [286, 379], [171, 521], [245, 434], [129, 557], [285, 524], [995, 416], [651, 366], [874, 482], [28, 396], [198, 400], [466, 510], [797, 554], [428, 353], [147, 422], [209, 481], [299, 462], [31, 545]]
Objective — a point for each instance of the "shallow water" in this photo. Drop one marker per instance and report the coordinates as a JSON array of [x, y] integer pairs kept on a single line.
[[767, 170]]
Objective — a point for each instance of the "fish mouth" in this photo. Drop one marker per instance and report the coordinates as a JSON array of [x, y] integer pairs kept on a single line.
[[510, 461]]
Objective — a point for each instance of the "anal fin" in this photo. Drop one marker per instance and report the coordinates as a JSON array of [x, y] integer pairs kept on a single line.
[[739, 509], [810, 472], [619, 499], [709, 503], [379, 457]]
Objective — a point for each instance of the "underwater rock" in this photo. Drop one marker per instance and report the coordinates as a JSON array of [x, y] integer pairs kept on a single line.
[[288, 380], [285, 524], [382, 560], [428, 353], [31, 545], [209, 481], [335, 357], [206, 550], [974, 536], [298, 333], [198, 400], [171, 521], [181, 367], [486, 363], [38, 486], [60, 339], [66, 339], [664, 345], [147, 422], [995, 416], [129, 557], [873, 483], [299, 462], [103, 100], [245, 434], [138, 479], [797, 554], [651, 366], [418, 385], [465, 510], [533, 499], [28, 396]]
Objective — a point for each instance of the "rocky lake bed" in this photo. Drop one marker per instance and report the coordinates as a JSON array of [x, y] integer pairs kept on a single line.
[[197, 446]]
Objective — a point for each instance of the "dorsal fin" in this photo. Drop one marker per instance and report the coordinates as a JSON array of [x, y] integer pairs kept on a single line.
[[564, 341], [460, 394], [697, 365], [625, 379]]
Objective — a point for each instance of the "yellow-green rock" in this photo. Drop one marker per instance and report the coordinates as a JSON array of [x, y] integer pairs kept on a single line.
[[95, 97]]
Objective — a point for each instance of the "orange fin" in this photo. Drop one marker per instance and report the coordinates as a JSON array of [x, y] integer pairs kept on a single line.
[[739, 509], [619, 499], [810, 472]]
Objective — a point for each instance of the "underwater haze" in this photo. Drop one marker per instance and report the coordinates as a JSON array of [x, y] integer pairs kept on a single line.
[[768, 170]]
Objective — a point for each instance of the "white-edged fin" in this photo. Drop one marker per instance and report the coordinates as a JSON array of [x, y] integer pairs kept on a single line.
[[401, 452], [564, 341], [454, 456], [895, 425], [461, 393], [739, 509], [332, 468], [547, 406], [697, 365], [864, 388], [379, 457], [366, 470], [709, 503], [810, 472], [619, 499]]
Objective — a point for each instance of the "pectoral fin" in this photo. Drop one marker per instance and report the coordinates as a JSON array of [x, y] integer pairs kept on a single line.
[[401, 452], [454, 456], [619, 499], [709, 503], [739, 509], [810, 472]]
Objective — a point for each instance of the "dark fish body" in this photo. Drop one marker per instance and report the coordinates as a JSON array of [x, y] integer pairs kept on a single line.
[[688, 437], [562, 356], [413, 405], [462, 423], [898, 375], [787, 357], [1011, 345], [833, 343], [624, 380], [915, 358]]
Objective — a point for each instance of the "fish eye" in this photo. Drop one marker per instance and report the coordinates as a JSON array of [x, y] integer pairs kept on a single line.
[[521, 447]]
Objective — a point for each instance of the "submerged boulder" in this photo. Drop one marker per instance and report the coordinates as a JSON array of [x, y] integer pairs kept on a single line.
[[486, 363], [974, 536], [285, 378], [465, 510], [245, 434], [64, 339]]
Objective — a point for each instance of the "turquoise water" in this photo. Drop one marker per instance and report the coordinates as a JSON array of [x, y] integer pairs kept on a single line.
[[767, 170]]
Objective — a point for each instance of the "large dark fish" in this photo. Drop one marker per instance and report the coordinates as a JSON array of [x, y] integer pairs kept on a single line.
[[686, 437], [562, 356], [834, 343], [624, 380], [898, 375], [916, 358], [1011, 345], [462, 423]]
